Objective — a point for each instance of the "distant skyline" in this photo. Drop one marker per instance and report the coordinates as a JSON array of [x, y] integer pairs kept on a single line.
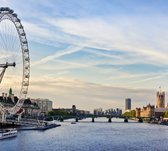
[[95, 53]]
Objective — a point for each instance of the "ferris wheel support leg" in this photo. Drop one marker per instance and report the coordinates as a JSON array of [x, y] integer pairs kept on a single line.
[[3, 117], [19, 117], [2, 74]]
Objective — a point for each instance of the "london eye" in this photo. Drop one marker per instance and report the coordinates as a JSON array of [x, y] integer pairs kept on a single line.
[[14, 59]]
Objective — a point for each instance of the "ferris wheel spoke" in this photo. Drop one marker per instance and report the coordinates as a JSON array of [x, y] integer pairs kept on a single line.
[[2, 41]]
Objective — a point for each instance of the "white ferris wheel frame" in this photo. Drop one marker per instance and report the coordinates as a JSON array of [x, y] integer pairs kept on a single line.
[[8, 14]]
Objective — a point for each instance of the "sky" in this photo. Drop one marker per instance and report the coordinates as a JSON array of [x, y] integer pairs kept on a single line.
[[95, 53]]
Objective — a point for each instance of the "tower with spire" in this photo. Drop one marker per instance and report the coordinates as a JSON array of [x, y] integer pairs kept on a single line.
[[160, 99], [10, 92]]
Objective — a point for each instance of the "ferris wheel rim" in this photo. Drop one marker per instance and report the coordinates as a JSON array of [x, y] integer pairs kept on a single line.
[[7, 13]]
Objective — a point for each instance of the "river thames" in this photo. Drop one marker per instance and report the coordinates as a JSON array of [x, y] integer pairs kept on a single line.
[[87, 136]]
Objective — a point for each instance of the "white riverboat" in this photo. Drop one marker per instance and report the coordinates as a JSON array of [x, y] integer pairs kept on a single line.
[[8, 133]]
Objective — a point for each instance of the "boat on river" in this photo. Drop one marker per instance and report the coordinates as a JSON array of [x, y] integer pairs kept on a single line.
[[8, 133], [40, 127], [73, 122]]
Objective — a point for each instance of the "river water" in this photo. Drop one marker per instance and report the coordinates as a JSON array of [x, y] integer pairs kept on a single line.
[[87, 136]]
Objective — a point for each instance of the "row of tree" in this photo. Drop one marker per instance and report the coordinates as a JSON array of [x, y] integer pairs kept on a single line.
[[59, 113]]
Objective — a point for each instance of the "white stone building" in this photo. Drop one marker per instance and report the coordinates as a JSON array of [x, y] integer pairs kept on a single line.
[[45, 105]]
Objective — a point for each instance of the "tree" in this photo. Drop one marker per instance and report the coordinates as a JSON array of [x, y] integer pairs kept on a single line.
[[165, 114], [132, 113], [58, 112]]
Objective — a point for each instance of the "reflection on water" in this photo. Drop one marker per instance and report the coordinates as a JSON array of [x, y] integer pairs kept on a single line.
[[87, 136]]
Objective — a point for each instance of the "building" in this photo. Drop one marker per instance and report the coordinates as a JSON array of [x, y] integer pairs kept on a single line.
[[159, 112], [160, 99], [30, 109], [146, 111], [45, 105], [113, 112], [138, 112], [10, 100], [127, 104], [73, 111], [82, 112], [118, 112], [150, 110], [98, 111]]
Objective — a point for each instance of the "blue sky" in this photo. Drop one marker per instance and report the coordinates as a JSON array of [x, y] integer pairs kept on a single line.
[[95, 53]]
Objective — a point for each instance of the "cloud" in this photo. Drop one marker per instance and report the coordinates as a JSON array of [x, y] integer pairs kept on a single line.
[[61, 53], [68, 91], [103, 54], [145, 36], [149, 79], [107, 36], [128, 35]]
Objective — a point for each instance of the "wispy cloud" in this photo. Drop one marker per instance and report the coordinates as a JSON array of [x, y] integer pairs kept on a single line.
[[74, 90], [103, 54], [114, 35], [149, 79], [61, 53]]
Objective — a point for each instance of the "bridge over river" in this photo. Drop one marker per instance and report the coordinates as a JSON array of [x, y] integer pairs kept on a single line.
[[70, 119], [93, 118]]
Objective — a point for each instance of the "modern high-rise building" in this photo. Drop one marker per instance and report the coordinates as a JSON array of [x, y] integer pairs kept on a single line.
[[127, 104], [160, 99]]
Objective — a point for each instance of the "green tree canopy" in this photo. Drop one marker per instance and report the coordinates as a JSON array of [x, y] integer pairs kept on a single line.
[[165, 114], [132, 113], [58, 112]]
